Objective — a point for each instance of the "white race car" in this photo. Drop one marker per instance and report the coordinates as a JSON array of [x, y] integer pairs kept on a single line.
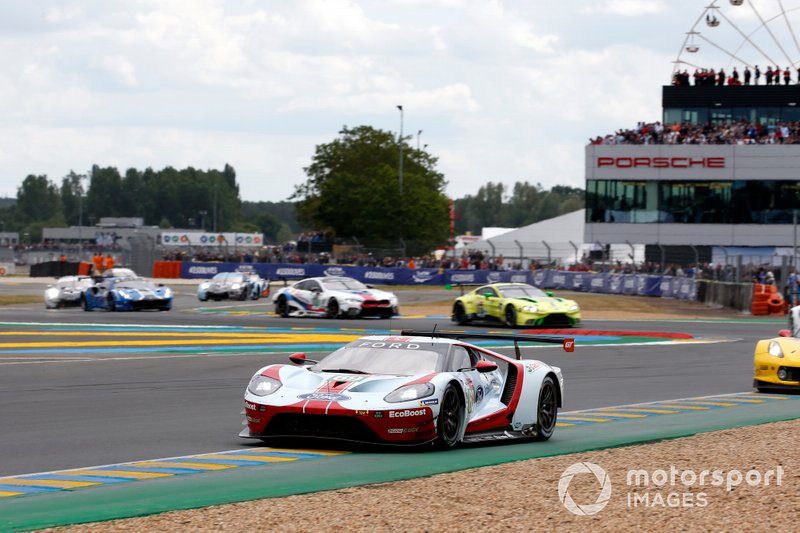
[[413, 388], [233, 286], [333, 297], [67, 291]]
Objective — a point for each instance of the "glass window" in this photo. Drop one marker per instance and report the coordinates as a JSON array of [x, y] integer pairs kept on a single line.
[[460, 359]]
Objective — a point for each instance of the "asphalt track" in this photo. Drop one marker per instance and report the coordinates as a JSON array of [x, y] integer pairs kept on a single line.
[[82, 394]]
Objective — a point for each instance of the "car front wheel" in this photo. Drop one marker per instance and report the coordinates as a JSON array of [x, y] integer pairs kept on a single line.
[[547, 410], [333, 308], [282, 307], [459, 314], [451, 415], [511, 316]]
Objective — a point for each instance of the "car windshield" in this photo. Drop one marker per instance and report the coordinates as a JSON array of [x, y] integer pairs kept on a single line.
[[135, 284], [233, 278], [522, 291], [385, 357], [344, 285]]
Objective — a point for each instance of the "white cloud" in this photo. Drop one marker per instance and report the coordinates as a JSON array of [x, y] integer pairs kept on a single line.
[[628, 8]]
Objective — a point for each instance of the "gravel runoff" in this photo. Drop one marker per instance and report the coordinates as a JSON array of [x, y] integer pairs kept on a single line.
[[524, 496]]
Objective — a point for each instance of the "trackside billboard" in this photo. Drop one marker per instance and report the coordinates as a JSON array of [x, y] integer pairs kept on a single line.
[[236, 240]]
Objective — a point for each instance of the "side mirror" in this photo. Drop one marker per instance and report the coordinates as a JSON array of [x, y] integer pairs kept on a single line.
[[487, 294], [549, 293], [300, 359], [784, 333], [485, 366]]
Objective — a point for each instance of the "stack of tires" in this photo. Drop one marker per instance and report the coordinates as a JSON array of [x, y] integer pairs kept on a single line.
[[767, 300]]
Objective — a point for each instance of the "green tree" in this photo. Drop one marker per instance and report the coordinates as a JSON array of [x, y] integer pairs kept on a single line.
[[353, 189], [38, 199]]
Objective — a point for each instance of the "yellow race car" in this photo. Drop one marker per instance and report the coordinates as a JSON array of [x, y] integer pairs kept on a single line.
[[515, 304], [777, 363]]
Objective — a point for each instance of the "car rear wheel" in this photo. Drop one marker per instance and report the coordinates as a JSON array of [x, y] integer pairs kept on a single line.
[[511, 316], [282, 307], [459, 314], [547, 410], [451, 415], [333, 308]]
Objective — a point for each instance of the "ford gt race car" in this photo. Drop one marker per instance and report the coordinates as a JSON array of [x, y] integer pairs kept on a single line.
[[333, 297], [515, 304], [414, 388], [127, 294], [777, 361], [234, 286], [67, 291]]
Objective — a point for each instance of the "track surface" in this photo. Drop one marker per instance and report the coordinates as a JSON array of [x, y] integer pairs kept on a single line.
[[113, 407]]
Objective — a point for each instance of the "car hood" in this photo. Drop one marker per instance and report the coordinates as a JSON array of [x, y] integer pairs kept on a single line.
[[141, 294], [546, 303], [304, 380]]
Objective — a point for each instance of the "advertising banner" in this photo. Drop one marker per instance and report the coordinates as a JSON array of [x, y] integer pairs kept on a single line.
[[199, 238]]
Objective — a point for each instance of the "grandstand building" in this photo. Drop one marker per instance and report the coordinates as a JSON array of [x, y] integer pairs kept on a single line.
[[688, 201]]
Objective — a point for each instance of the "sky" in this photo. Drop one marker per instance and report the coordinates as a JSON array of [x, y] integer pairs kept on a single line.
[[500, 91]]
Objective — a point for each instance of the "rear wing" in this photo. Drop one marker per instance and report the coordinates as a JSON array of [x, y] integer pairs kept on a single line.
[[568, 343]]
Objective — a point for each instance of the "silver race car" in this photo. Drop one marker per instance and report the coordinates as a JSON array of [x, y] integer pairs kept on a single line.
[[67, 291]]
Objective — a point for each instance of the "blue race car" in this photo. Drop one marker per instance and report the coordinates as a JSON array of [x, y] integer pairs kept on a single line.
[[127, 294]]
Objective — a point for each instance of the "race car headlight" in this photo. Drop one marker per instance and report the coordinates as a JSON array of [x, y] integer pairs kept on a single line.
[[52, 292], [774, 349], [410, 392], [354, 301], [530, 309], [236, 286], [573, 308], [263, 385], [167, 292]]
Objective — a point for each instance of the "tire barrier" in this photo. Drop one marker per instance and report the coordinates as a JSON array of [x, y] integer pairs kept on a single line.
[[54, 269], [767, 300], [167, 269]]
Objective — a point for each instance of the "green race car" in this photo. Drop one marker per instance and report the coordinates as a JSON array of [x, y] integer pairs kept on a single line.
[[515, 304]]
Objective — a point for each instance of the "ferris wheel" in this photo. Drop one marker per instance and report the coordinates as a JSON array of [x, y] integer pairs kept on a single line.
[[743, 33]]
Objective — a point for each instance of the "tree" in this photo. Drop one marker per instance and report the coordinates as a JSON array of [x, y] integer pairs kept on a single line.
[[353, 189], [38, 199]]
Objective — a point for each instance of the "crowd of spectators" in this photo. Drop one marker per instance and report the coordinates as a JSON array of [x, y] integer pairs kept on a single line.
[[739, 132], [710, 77]]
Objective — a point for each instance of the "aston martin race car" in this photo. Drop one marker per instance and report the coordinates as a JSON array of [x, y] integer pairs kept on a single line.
[[67, 291], [234, 286], [333, 297], [515, 304], [414, 388], [777, 361], [127, 294]]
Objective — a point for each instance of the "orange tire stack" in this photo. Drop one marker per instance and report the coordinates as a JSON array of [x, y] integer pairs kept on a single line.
[[762, 295]]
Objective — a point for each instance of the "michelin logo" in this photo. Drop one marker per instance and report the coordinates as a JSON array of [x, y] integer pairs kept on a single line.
[[202, 270], [334, 271], [422, 276], [387, 276], [462, 278], [291, 272]]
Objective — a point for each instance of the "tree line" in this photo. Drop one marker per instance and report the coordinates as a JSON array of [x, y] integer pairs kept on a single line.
[[365, 186]]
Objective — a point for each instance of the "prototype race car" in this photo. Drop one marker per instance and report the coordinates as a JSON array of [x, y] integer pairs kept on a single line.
[[415, 388], [777, 361], [333, 297], [127, 294], [67, 291], [515, 304], [234, 286]]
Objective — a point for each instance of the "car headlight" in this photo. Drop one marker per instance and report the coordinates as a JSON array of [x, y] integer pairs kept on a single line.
[[410, 392], [52, 292], [354, 301], [774, 349], [263, 385], [236, 286], [530, 309], [573, 308], [167, 292]]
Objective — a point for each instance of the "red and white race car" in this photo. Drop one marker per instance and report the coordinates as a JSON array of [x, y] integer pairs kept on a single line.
[[414, 388], [332, 297]]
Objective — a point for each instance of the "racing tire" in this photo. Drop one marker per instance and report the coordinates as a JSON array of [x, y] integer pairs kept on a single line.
[[85, 303], [764, 387], [332, 311], [203, 299], [511, 316], [459, 314], [547, 409], [282, 307], [450, 419]]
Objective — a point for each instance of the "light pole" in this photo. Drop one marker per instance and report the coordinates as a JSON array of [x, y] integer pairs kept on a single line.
[[203, 214], [80, 216], [400, 141], [419, 132]]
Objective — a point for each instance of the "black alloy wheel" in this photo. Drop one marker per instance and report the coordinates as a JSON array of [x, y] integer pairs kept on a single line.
[[459, 314], [547, 411], [333, 308], [451, 415], [282, 307], [511, 316]]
